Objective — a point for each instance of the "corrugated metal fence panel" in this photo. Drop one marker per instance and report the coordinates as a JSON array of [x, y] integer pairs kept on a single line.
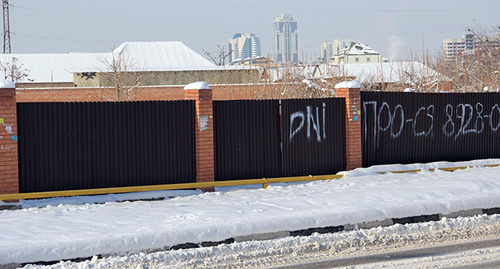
[[64, 146], [426, 127], [313, 136], [246, 139]]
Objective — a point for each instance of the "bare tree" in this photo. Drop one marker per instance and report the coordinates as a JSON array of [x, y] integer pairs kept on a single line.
[[14, 71], [124, 74], [477, 69], [220, 58]]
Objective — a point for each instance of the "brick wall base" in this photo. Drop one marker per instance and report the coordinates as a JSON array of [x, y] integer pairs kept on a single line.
[[9, 179], [352, 126]]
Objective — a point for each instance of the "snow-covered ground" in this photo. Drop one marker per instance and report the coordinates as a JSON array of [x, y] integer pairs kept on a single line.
[[75, 227]]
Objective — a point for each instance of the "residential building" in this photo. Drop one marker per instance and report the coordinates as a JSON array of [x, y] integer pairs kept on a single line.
[[458, 46], [331, 48], [243, 46], [453, 48], [286, 43], [356, 52], [156, 63]]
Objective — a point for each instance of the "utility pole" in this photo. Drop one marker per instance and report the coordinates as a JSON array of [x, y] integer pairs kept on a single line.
[[6, 28]]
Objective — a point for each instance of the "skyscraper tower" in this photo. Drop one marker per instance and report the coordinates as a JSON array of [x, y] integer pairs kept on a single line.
[[244, 46], [286, 43]]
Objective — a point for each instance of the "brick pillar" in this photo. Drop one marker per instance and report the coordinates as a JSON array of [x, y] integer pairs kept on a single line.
[[352, 94], [9, 176], [204, 131]]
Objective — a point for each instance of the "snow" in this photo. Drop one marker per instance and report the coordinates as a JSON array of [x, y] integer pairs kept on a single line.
[[200, 85], [139, 56], [354, 84], [6, 84], [300, 250], [407, 72], [357, 48], [67, 228]]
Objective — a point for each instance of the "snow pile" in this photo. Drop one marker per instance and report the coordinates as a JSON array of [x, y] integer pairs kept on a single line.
[[200, 85], [64, 231], [353, 84], [6, 84]]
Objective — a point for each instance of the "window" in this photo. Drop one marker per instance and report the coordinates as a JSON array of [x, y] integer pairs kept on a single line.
[[368, 59], [356, 59]]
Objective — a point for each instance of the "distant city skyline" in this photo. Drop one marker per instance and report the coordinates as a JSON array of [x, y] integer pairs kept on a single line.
[[398, 29]]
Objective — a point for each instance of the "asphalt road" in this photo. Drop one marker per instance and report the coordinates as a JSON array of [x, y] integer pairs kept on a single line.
[[407, 254]]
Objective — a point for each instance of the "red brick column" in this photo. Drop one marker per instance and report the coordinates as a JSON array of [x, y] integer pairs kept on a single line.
[[9, 176], [352, 94], [204, 131]]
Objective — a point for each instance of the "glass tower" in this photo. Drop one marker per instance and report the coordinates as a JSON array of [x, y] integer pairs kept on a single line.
[[286, 43]]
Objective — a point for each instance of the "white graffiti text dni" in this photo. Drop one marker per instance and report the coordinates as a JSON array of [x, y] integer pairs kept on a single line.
[[311, 118]]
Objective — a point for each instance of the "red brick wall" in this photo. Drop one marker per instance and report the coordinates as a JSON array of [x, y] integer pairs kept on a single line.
[[220, 92], [353, 126], [9, 180], [204, 134]]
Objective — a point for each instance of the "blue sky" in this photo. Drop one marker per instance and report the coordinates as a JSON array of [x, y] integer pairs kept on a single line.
[[395, 28]]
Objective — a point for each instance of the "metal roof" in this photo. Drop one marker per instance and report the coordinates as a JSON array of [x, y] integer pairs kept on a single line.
[[140, 56]]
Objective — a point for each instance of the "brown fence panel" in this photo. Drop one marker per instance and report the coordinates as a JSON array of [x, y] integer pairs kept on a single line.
[[313, 136], [425, 127], [65, 146], [246, 139]]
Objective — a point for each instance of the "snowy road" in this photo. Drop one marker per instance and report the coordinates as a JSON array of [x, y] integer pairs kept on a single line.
[[485, 253]]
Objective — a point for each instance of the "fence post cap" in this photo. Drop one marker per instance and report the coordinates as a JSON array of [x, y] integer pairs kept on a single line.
[[6, 84], [353, 84], [200, 85]]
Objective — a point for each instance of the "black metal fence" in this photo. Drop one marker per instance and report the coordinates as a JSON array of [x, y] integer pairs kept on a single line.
[[246, 139], [64, 146], [313, 136], [254, 139], [417, 127]]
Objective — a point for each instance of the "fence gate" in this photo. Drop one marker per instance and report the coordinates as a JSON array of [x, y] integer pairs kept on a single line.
[[255, 139], [425, 127], [246, 139], [65, 146], [313, 136]]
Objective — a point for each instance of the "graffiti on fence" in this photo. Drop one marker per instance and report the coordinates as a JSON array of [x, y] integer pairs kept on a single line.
[[472, 119], [457, 120], [312, 118]]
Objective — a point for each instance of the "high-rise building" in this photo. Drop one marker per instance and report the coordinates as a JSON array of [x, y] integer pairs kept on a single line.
[[468, 45], [458, 46], [286, 43], [331, 48], [243, 46]]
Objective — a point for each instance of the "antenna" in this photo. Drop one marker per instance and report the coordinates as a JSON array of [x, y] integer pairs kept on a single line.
[[6, 28]]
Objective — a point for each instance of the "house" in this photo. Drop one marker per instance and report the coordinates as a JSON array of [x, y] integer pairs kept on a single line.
[[356, 52], [145, 63]]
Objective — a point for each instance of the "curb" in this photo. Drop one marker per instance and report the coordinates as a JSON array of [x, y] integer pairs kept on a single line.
[[346, 227]]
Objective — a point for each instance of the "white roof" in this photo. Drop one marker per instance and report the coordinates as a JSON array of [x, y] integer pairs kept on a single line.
[[357, 48], [163, 55], [387, 72], [145, 56], [52, 67], [392, 72]]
